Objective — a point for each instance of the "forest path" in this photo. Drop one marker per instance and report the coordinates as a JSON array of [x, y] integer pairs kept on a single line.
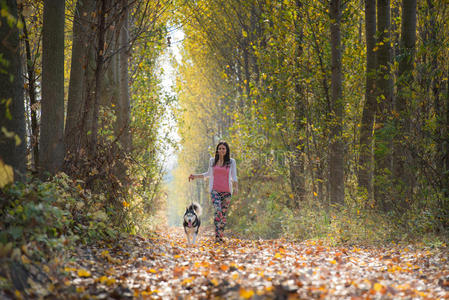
[[165, 267]]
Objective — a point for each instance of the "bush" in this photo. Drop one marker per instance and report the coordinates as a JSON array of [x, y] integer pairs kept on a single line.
[[53, 214]]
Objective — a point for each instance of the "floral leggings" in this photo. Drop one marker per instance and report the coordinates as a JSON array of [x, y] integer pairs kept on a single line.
[[221, 202]]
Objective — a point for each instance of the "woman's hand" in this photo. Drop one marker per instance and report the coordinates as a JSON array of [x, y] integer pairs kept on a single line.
[[191, 177]]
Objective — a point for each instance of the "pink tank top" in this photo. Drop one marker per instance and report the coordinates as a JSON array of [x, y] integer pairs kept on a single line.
[[221, 179]]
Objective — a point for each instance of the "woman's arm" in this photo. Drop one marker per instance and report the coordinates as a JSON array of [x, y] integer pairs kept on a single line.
[[202, 175], [195, 176]]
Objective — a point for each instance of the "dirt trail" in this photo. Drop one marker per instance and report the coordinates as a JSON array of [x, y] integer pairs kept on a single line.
[[165, 267]]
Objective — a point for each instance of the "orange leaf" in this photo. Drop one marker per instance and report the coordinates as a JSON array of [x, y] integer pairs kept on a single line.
[[246, 294], [224, 268], [177, 271]]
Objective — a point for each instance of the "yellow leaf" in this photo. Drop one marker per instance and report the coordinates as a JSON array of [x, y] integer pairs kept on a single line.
[[6, 174], [68, 269], [315, 194], [152, 271], [18, 294], [278, 255], [377, 287], [83, 273], [214, 282]]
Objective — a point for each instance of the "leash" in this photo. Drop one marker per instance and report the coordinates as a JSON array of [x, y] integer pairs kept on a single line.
[[191, 192]]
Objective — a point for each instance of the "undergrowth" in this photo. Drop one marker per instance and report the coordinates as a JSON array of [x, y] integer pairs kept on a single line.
[[51, 216], [347, 225]]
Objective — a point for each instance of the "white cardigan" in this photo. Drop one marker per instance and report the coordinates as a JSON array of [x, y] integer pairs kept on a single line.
[[210, 174]]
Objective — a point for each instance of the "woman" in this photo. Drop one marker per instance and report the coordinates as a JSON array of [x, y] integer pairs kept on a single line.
[[222, 175]]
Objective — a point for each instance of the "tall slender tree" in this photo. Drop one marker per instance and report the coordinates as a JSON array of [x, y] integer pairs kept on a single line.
[[122, 127], [52, 105], [30, 67], [12, 112], [384, 82], [336, 155], [297, 176], [366, 132], [401, 167]]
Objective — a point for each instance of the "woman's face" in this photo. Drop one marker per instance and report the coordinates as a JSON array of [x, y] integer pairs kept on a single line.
[[222, 150]]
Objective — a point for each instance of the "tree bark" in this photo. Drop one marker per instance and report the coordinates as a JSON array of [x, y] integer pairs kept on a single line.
[[99, 59], [365, 176], [32, 94], [123, 114], [80, 75], [297, 180], [446, 141], [12, 109], [385, 101], [401, 164], [52, 105], [336, 155]]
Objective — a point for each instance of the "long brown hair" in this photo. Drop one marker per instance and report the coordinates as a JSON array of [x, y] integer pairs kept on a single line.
[[227, 157]]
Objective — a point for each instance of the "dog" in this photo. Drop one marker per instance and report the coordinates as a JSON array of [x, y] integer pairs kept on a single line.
[[192, 222]]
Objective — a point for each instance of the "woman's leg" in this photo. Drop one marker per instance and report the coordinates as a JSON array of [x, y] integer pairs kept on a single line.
[[221, 203], [225, 201], [216, 201]]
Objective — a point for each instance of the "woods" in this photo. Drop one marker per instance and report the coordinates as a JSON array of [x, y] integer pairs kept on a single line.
[[326, 106], [336, 112], [66, 126]]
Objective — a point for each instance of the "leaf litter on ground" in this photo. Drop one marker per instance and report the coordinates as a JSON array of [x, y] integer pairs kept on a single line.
[[164, 266]]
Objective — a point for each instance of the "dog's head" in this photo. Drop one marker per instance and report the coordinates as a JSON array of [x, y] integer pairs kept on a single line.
[[190, 216]]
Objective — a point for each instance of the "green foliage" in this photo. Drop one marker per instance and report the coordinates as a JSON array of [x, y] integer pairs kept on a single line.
[[53, 214]]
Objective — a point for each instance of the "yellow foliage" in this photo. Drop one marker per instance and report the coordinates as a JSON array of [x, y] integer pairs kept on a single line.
[[6, 174]]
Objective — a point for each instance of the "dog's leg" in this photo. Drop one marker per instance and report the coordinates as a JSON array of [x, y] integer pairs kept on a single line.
[[188, 238], [194, 237]]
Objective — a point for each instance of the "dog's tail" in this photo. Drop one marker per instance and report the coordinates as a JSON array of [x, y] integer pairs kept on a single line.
[[197, 207]]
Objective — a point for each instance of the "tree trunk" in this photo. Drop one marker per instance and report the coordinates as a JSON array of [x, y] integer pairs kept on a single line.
[[401, 164], [32, 94], [52, 105], [12, 109], [80, 71], [99, 59], [384, 102], [446, 141], [336, 149], [297, 181], [365, 176], [123, 114]]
